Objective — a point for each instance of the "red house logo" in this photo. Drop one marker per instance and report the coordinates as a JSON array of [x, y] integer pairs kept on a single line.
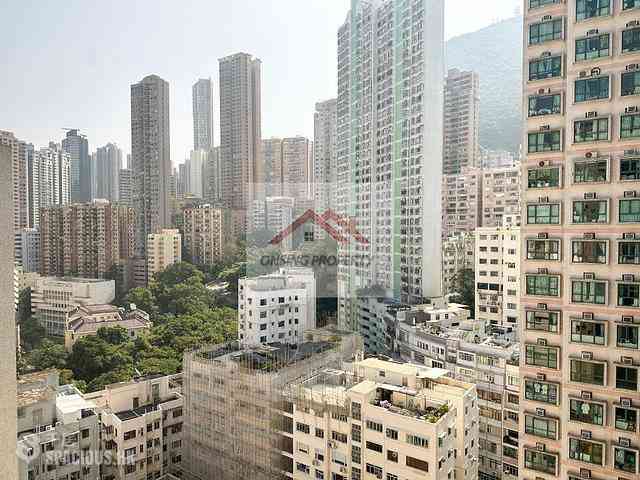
[[344, 229]]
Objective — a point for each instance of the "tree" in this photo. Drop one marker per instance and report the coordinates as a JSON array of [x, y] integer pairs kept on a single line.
[[31, 333], [48, 355], [144, 299], [464, 285], [114, 335], [178, 273]]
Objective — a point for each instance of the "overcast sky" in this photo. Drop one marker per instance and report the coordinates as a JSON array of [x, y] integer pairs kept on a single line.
[[71, 63]]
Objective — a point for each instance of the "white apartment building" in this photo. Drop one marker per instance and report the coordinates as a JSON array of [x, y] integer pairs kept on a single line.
[[385, 420], [324, 158], [581, 283], [389, 165], [458, 254], [163, 249], [277, 307], [497, 274], [108, 164], [58, 430], [27, 249], [500, 195], [54, 299], [197, 169], [461, 202], [202, 102], [141, 427]]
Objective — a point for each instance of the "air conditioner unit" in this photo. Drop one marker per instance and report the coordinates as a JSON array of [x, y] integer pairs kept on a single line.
[[633, 23], [585, 395], [587, 315], [595, 71], [332, 444], [583, 74], [541, 377], [628, 277], [542, 342], [545, 54], [585, 473], [591, 114], [343, 470], [546, 18], [625, 402], [543, 271], [589, 236], [627, 319], [590, 154], [542, 306], [624, 442], [630, 194], [541, 91], [590, 195], [630, 109], [543, 199], [628, 236], [588, 275], [632, 66], [543, 236], [626, 360], [593, 31], [587, 356], [541, 447], [544, 128], [541, 412], [586, 434]]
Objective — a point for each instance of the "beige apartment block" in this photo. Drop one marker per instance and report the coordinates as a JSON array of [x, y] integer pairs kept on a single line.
[[461, 202], [206, 233], [272, 159], [163, 249], [500, 195], [461, 121], [297, 169], [581, 240], [384, 419], [497, 273], [458, 253], [141, 427]]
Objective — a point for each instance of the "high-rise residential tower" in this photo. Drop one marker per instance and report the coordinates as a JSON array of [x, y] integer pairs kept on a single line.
[[125, 195], [108, 163], [296, 168], [324, 157], [580, 296], [240, 130], [20, 188], [389, 160], [150, 156], [197, 169], [272, 162], [461, 121], [81, 174], [202, 97], [49, 171]]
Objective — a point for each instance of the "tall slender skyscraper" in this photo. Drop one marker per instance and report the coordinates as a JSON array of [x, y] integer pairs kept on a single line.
[[240, 130], [389, 163], [324, 158], [150, 157], [580, 361], [81, 179], [108, 163], [18, 165], [202, 93]]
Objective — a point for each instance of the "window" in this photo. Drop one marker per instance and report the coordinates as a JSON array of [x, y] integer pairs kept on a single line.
[[392, 434], [630, 210], [392, 456], [587, 251], [542, 356], [588, 48], [302, 427], [586, 451], [339, 437], [591, 130], [417, 441], [544, 321], [543, 249], [355, 432], [629, 253], [543, 177], [543, 68], [355, 410], [543, 285], [625, 459], [540, 461], [546, 141], [586, 9], [627, 378], [630, 169], [543, 214], [541, 3], [627, 336], [631, 40], [130, 434], [589, 291], [545, 31], [590, 211], [626, 419], [371, 425], [630, 126], [586, 412], [585, 371], [319, 433], [630, 84], [417, 463], [584, 331], [629, 295], [376, 447], [629, 4], [301, 467], [374, 470], [541, 426], [545, 105], [590, 172], [356, 454]]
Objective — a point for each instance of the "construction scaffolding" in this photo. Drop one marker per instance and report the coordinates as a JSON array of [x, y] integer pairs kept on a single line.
[[238, 410]]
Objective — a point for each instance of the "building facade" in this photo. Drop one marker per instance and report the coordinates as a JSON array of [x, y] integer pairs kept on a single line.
[[458, 254], [579, 272], [501, 192], [163, 249], [325, 140], [461, 202], [461, 121], [27, 249], [197, 170], [80, 170], [296, 168], [392, 195], [108, 164], [150, 157], [278, 307], [202, 98], [125, 192], [206, 234], [19, 177]]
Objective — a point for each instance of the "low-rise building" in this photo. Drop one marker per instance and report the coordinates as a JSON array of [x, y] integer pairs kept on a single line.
[[59, 431], [86, 320], [206, 234], [386, 420], [163, 249], [142, 427], [54, 299], [500, 195], [277, 307]]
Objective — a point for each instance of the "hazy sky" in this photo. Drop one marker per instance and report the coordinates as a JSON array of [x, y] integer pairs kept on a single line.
[[71, 63]]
